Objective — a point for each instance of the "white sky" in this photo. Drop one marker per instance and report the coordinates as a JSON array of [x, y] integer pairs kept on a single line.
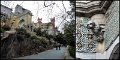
[[36, 7]]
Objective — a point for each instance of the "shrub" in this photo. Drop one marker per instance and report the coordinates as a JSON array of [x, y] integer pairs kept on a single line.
[[43, 41], [21, 31], [72, 51], [20, 37], [33, 37], [27, 35], [2, 30], [5, 27]]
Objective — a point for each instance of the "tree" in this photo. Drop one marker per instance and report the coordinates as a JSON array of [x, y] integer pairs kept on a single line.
[[60, 39], [69, 30], [69, 36], [21, 21], [38, 31], [6, 27]]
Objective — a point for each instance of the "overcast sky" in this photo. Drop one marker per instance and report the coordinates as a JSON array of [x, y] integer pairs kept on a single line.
[[38, 10]]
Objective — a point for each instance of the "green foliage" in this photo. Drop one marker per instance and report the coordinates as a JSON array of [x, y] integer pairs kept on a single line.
[[6, 28], [69, 30], [43, 41], [21, 31], [43, 34], [72, 51], [38, 31], [60, 38], [2, 30], [20, 37], [21, 21], [48, 36], [33, 37], [22, 34], [27, 35], [40, 40]]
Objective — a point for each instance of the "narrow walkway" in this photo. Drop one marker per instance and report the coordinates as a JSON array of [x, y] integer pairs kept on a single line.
[[49, 54]]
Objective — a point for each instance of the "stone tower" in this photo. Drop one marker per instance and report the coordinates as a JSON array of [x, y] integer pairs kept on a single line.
[[39, 20]]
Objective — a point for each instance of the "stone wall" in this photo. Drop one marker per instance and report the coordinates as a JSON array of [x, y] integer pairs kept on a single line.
[[112, 23]]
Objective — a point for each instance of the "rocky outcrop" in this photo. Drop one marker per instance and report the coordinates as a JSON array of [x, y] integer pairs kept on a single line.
[[9, 46], [16, 45]]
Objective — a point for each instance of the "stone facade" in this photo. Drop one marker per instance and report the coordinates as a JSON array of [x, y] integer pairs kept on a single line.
[[110, 20], [23, 14], [48, 27], [112, 24]]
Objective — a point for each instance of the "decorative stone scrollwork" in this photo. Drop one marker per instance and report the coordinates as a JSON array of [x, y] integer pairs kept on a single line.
[[91, 47], [84, 42]]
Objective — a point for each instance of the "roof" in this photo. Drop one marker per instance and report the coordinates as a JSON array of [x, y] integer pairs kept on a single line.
[[6, 7], [26, 11]]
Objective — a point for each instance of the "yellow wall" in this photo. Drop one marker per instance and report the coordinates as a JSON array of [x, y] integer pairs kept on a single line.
[[15, 22], [2, 24], [27, 18]]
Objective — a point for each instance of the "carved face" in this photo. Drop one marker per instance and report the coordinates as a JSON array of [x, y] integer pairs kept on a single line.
[[91, 25]]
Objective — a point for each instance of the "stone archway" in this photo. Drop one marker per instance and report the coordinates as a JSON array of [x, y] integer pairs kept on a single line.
[[115, 52]]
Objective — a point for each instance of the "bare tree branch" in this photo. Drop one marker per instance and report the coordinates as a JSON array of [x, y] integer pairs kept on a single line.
[[21, 3], [64, 6], [63, 21], [58, 6], [47, 5]]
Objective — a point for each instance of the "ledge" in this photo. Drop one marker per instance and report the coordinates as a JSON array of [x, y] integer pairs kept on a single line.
[[66, 54]]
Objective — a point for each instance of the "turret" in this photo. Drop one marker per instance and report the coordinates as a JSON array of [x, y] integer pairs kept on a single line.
[[53, 21], [39, 20]]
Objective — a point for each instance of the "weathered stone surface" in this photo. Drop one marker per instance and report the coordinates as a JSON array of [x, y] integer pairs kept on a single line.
[[112, 23]]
